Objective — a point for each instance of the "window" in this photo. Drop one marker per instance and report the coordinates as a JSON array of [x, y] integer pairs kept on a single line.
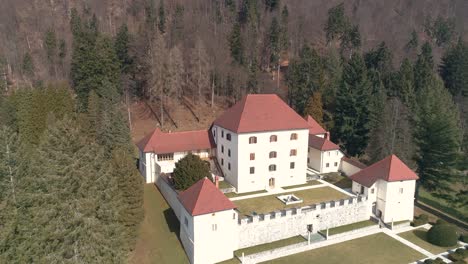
[[234, 216], [336, 152], [401, 190], [228, 136], [229, 153], [327, 165], [293, 136], [335, 164], [273, 138], [291, 165], [214, 227], [165, 156], [222, 161], [186, 221], [272, 167], [372, 190], [252, 170], [222, 149], [222, 133], [252, 156], [308, 150], [229, 165], [272, 154], [328, 153], [252, 140], [308, 160], [293, 152]]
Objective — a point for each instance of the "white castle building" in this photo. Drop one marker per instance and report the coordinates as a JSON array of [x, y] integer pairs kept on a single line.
[[260, 144]]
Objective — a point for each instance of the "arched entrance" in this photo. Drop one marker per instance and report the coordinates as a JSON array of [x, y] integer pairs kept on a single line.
[[271, 182]]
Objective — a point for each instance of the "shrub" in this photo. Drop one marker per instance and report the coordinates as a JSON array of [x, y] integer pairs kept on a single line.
[[421, 219], [459, 254], [443, 235], [434, 261], [464, 238], [189, 170], [441, 222]]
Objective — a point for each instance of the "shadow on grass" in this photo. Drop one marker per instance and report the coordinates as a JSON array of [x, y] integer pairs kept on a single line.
[[421, 234], [344, 183], [173, 223]]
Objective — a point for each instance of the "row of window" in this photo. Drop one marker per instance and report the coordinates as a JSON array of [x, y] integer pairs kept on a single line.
[[271, 155], [272, 167], [253, 140]]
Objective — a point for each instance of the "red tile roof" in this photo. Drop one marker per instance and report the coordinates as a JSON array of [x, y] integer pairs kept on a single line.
[[322, 143], [160, 142], [314, 126], [260, 112], [203, 198], [354, 162], [389, 169]]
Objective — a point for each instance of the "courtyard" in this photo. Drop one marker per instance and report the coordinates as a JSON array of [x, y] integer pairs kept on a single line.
[[270, 203], [378, 248]]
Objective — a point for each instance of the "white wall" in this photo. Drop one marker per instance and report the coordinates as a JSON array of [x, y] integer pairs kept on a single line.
[[215, 236], [284, 175], [348, 169], [333, 158], [315, 159], [230, 175]]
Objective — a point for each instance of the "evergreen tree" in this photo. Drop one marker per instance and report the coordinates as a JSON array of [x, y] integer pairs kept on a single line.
[[284, 38], [274, 41], [423, 69], [50, 46], [28, 65], [271, 5], [454, 69], [235, 44], [122, 46], [413, 42], [252, 82], [438, 139], [315, 107], [351, 39], [130, 197], [303, 78], [406, 84], [93, 115], [189, 170], [337, 23], [162, 17], [352, 116]]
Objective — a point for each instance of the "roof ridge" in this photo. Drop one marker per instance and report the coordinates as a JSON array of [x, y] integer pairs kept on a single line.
[[243, 103], [198, 194]]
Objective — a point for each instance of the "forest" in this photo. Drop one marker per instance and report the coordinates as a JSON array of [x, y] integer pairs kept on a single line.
[[382, 76]]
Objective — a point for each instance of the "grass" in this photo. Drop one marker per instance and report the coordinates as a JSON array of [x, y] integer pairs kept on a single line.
[[224, 185], [419, 237], [269, 246], [158, 241], [310, 183], [230, 261], [346, 228], [379, 248], [338, 180], [399, 222], [270, 203], [442, 205], [233, 194]]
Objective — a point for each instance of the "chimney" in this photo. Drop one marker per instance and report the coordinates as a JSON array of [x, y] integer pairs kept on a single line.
[[327, 135], [217, 181]]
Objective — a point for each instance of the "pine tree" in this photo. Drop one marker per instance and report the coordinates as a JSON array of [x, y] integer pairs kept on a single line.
[[413, 42], [303, 78], [236, 45], [284, 21], [252, 81], [454, 69], [130, 194], [122, 46], [337, 23], [406, 91], [352, 116], [438, 139], [28, 65], [274, 41], [50, 45], [315, 107], [93, 115], [189, 170], [423, 69]]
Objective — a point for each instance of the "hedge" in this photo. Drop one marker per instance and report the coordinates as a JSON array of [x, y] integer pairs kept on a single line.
[[443, 235]]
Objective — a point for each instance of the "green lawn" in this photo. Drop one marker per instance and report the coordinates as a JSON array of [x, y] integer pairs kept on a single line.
[[419, 237], [158, 235], [346, 228], [269, 246], [270, 203], [310, 183], [338, 180], [224, 185], [378, 248], [233, 195], [442, 205]]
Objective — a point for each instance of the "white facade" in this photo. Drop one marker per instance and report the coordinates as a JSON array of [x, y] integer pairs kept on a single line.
[[324, 161], [262, 160], [214, 239], [152, 164], [394, 201]]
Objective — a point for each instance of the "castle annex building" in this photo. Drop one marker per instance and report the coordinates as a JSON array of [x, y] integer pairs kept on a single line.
[[261, 145]]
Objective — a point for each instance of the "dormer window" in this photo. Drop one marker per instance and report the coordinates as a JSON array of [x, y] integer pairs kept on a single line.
[[273, 138], [252, 140], [293, 136]]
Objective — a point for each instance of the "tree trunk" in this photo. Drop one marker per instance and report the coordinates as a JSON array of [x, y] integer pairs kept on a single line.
[[212, 93]]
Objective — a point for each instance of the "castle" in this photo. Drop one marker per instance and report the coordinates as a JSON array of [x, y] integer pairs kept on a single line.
[[260, 144]]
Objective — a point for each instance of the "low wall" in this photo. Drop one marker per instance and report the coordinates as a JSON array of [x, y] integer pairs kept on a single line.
[[272, 252], [350, 167], [264, 228], [170, 195], [355, 231]]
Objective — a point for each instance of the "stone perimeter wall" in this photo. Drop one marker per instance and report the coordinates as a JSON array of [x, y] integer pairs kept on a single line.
[[170, 195], [265, 228]]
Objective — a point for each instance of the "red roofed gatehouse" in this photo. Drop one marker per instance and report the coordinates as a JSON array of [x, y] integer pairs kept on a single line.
[[390, 184], [207, 216]]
